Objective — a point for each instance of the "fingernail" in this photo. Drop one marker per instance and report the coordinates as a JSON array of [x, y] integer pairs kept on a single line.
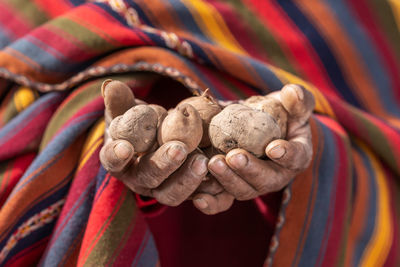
[[199, 165], [277, 152], [177, 152], [297, 90], [218, 166], [201, 203], [122, 150], [238, 161]]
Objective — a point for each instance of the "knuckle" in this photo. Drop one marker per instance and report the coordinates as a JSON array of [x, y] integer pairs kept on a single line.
[[150, 181], [170, 199]]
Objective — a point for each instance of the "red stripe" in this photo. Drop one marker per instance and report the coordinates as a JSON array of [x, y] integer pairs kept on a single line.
[[294, 43], [103, 212], [14, 23], [14, 173], [244, 35], [54, 8], [28, 134], [29, 256], [103, 24], [70, 50], [364, 15]]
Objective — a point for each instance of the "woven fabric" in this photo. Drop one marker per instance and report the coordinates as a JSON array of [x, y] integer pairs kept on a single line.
[[60, 208]]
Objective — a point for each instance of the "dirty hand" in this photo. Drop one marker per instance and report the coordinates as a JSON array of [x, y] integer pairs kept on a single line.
[[169, 174], [245, 176]]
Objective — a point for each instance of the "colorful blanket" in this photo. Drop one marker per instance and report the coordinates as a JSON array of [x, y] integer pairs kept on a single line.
[[59, 207]]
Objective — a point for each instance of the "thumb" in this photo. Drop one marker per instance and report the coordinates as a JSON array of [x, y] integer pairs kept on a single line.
[[118, 98]]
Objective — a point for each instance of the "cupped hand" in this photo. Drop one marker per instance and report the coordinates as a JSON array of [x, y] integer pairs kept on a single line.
[[169, 174], [245, 176]]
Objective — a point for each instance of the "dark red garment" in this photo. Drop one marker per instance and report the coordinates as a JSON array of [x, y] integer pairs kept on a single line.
[[238, 237], [185, 237]]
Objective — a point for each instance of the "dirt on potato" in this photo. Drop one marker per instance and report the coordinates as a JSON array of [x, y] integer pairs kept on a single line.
[[239, 126], [182, 124], [138, 125]]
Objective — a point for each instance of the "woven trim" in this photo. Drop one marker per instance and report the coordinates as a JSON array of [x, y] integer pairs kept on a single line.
[[102, 71], [35, 222]]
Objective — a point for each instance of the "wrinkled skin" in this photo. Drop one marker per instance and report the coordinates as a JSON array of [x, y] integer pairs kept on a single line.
[[171, 175]]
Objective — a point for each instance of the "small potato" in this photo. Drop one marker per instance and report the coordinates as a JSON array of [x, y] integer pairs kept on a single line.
[[118, 97], [239, 126], [271, 106], [161, 113], [182, 124], [138, 125], [207, 108]]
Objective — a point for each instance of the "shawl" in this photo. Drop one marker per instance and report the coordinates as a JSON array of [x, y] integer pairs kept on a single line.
[[59, 207]]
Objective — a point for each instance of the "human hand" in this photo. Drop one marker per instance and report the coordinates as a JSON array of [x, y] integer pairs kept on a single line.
[[245, 177], [169, 174]]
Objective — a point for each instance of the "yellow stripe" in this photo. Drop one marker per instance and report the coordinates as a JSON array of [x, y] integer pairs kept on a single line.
[[213, 25], [382, 238], [23, 97], [321, 104], [93, 141], [395, 4]]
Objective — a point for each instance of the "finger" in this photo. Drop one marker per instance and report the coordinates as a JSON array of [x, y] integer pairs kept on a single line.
[[232, 182], [294, 154], [181, 184], [153, 168], [210, 186], [118, 98], [262, 175], [116, 155], [297, 101], [211, 205]]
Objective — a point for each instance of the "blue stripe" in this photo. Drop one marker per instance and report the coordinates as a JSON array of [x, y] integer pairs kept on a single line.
[[42, 57], [369, 226], [5, 37], [111, 12], [149, 256], [29, 114], [369, 55], [74, 225], [326, 188], [187, 20], [56, 147], [38, 207], [141, 14], [322, 49]]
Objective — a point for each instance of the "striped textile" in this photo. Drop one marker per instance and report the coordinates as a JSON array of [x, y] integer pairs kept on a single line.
[[59, 207]]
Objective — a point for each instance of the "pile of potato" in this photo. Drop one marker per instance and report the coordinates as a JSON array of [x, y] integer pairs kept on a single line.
[[200, 122]]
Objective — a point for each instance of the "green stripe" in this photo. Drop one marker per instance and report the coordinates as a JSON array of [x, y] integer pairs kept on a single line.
[[388, 24], [266, 39], [115, 233], [378, 141], [29, 11], [93, 41]]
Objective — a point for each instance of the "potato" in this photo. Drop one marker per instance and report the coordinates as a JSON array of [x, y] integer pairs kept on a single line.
[[118, 97], [239, 126], [207, 108], [161, 113], [271, 106], [182, 124], [138, 125]]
